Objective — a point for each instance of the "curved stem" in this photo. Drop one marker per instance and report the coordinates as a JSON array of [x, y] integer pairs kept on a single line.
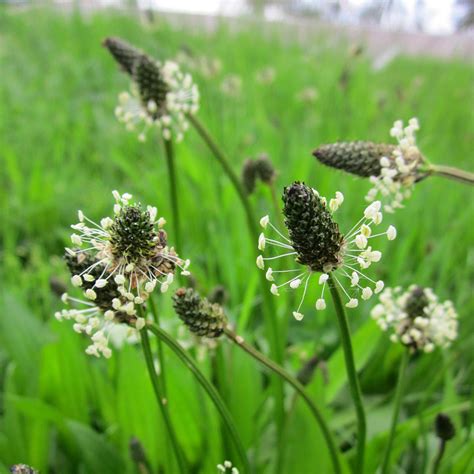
[[396, 411], [170, 164], [209, 388], [452, 173], [439, 456], [270, 320], [162, 402], [281, 372], [351, 373]]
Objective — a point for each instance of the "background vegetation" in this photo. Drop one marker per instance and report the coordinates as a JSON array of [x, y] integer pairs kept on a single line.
[[61, 149]]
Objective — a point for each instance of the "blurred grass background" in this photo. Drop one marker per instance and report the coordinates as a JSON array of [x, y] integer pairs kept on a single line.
[[61, 149]]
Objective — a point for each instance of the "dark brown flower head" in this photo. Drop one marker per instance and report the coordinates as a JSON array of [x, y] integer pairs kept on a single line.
[[444, 427], [124, 53], [416, 302], [265, 169], [133, 235], [151, 85], [361, 158], [202, 317], [249, 175], [314, 234]]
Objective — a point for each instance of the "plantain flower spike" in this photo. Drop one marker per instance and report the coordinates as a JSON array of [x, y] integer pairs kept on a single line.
[[161, 95], [117, 263], [416, 318], [316, 244], [392, 169], [200, 316]]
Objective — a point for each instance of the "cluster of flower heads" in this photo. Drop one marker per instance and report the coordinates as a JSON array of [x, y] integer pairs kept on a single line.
[[226, 466], [117, 263], [416, 318], [400, 170], [315, 243], [161, 95]]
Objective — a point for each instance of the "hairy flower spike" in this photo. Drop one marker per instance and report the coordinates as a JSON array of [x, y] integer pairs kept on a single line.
[[132, 234], [259, 169], [249, 176], [264, 169], [201, 317], [314, 234], [151, 85], [117, 264], [392, 169], [444, 427], [124, 53], [360, 157], [416, 318], [316, 243], [161, 94]]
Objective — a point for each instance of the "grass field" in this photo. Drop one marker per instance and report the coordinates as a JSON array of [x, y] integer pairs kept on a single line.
[[61, 149]]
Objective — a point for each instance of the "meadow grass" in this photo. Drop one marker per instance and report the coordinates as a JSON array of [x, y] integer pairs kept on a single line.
[[61, 149]]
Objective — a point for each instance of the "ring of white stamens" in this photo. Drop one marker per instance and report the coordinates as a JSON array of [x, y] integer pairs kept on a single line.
[[435, 326], [131, 280], [399, 172], [357, 255], [170, 118]]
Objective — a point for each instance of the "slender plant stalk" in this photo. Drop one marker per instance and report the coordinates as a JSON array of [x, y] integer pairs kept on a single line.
[[209, 388], [439, 456], [173, 183], [396, 411], [270, 320], [281, 372], [351, 374], [161, 357], [452, 173], [162, 402]]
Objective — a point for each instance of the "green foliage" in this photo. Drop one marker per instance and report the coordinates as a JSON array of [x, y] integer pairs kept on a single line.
[[61, 149]]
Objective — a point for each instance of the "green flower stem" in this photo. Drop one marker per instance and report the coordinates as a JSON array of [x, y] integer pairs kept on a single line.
[[351, 373], [281, 372], [270, 320], [396, 411], [170, 163], [162, 402], [161, 358], [452, 173], [209, 388], [439, 456]]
